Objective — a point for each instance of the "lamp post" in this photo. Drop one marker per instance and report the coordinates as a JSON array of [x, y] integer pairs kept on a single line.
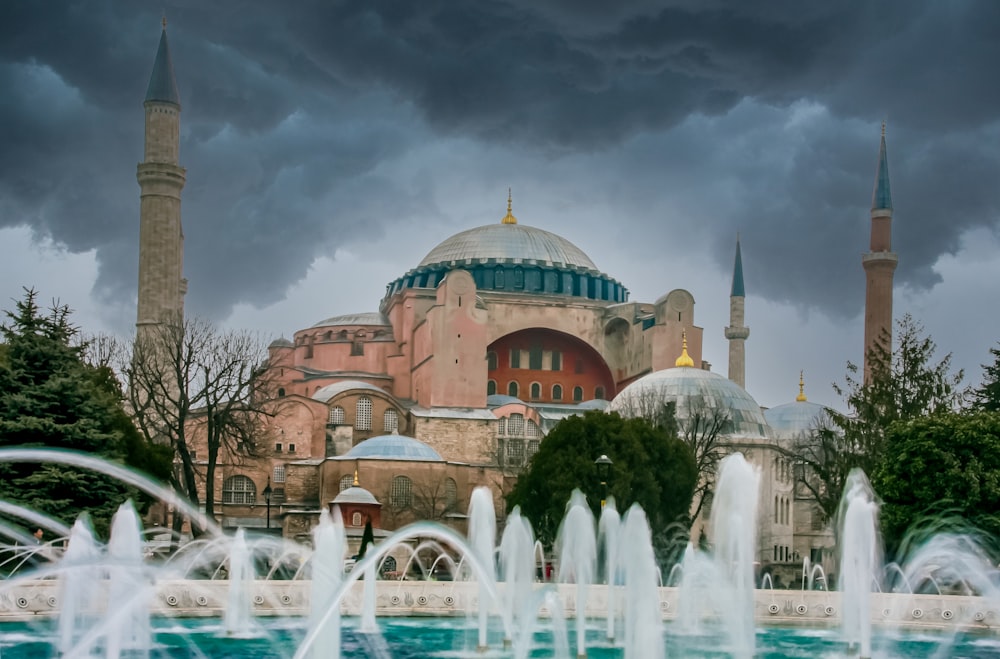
[[267, 501], [603, 465]]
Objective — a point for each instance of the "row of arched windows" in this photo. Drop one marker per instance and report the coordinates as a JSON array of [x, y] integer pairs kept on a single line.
[[535, 391], [363, 416]]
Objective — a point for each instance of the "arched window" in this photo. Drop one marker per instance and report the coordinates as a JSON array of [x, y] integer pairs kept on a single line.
[[491, 360], [346, 481], [363, 420], [531, 429], [512, 389], [599, 393], [502, 426], [577, 394], [498, 280], [281, 392], [389, 564], [390, 421], [491, 387], [557, 392], [401, 492], [239, 489], [536, 391], [337, 415], [356, 519], [450, 494]]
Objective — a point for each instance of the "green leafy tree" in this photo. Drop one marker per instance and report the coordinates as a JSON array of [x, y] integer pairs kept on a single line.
[[905, 383], [987, 395], [652, 467], [941, 465], [51, 397]]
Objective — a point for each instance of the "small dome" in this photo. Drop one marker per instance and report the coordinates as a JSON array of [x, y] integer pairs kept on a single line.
[[693, 389], [281, 342], [392, 447], [795, 419], [356, 494], [509, 242], [370, 318]]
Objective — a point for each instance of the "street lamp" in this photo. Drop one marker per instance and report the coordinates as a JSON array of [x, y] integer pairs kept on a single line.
[[267, 500], [603, 465]]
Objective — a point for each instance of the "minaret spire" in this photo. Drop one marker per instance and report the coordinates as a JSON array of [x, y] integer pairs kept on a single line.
[[737, 332], [879, 263], [161, 179]]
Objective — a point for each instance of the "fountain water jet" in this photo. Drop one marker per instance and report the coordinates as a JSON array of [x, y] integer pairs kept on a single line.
[[577, 551]]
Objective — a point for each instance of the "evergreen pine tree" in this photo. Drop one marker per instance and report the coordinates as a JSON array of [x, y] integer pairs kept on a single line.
[[987, 396], [50, 397], [367, 538]]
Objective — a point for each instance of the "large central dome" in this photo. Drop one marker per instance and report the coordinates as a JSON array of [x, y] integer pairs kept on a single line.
[[512, 258], [515, 243]]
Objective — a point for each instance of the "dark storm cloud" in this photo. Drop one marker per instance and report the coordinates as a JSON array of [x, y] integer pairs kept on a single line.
[[292, 110]]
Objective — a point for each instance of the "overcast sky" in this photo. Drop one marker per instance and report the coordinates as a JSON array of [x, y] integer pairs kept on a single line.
[[330, 145]]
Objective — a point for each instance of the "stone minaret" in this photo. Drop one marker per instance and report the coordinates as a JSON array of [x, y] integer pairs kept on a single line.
[[879, 263], [737, 332], [161, 178]]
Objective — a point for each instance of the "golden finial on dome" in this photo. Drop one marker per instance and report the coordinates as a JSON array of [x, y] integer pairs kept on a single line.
[[801, 398], [685, 358], [509, 217], [357, 483]]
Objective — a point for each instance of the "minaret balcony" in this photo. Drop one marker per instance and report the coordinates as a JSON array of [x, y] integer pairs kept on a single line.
[[737, 333]]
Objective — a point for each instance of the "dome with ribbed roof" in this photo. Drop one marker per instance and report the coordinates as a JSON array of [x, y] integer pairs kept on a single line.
[[514, 258], [509, 243], [392, 447], [695, 392], [796, 419]]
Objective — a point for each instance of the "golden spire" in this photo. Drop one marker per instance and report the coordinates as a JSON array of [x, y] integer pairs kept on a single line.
[[509, 217], [801, 398], [356, 482], [685, 358]]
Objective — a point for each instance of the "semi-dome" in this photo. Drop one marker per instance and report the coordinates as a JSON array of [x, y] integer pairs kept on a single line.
[[370, 318], [512, 257], [694, 391], [392, 447]]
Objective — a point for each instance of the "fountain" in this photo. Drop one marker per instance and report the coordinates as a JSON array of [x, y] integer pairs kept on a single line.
[[107, 600]]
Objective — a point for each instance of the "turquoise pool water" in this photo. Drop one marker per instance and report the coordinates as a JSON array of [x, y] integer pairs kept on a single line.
[[405, 638]]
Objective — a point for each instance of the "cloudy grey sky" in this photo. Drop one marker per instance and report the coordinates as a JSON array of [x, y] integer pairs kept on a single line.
[[330, 145]]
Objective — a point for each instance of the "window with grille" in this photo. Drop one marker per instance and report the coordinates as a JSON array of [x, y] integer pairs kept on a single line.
[[577, 394], [556, 392], [337, 415], [512, 389], [389, 564], [239, 489], [390, 421], [515, 452], [515, 425], [356, 519], [518, 278], [279, 474], [502, 426], [491, 387], [531, 429], [401, 492], [536, 391], [498, 279], [532, 448], [346, 481], [363, 420], [278, 496], [450, 493]]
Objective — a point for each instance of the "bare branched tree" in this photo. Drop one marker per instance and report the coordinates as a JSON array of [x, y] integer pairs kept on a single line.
[[195, 387], [702, 429]]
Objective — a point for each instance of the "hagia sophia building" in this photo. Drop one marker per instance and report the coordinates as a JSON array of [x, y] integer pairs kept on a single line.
[[470, 358]]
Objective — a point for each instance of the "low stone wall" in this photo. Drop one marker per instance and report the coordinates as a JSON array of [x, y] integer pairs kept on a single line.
[[26, 600]]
